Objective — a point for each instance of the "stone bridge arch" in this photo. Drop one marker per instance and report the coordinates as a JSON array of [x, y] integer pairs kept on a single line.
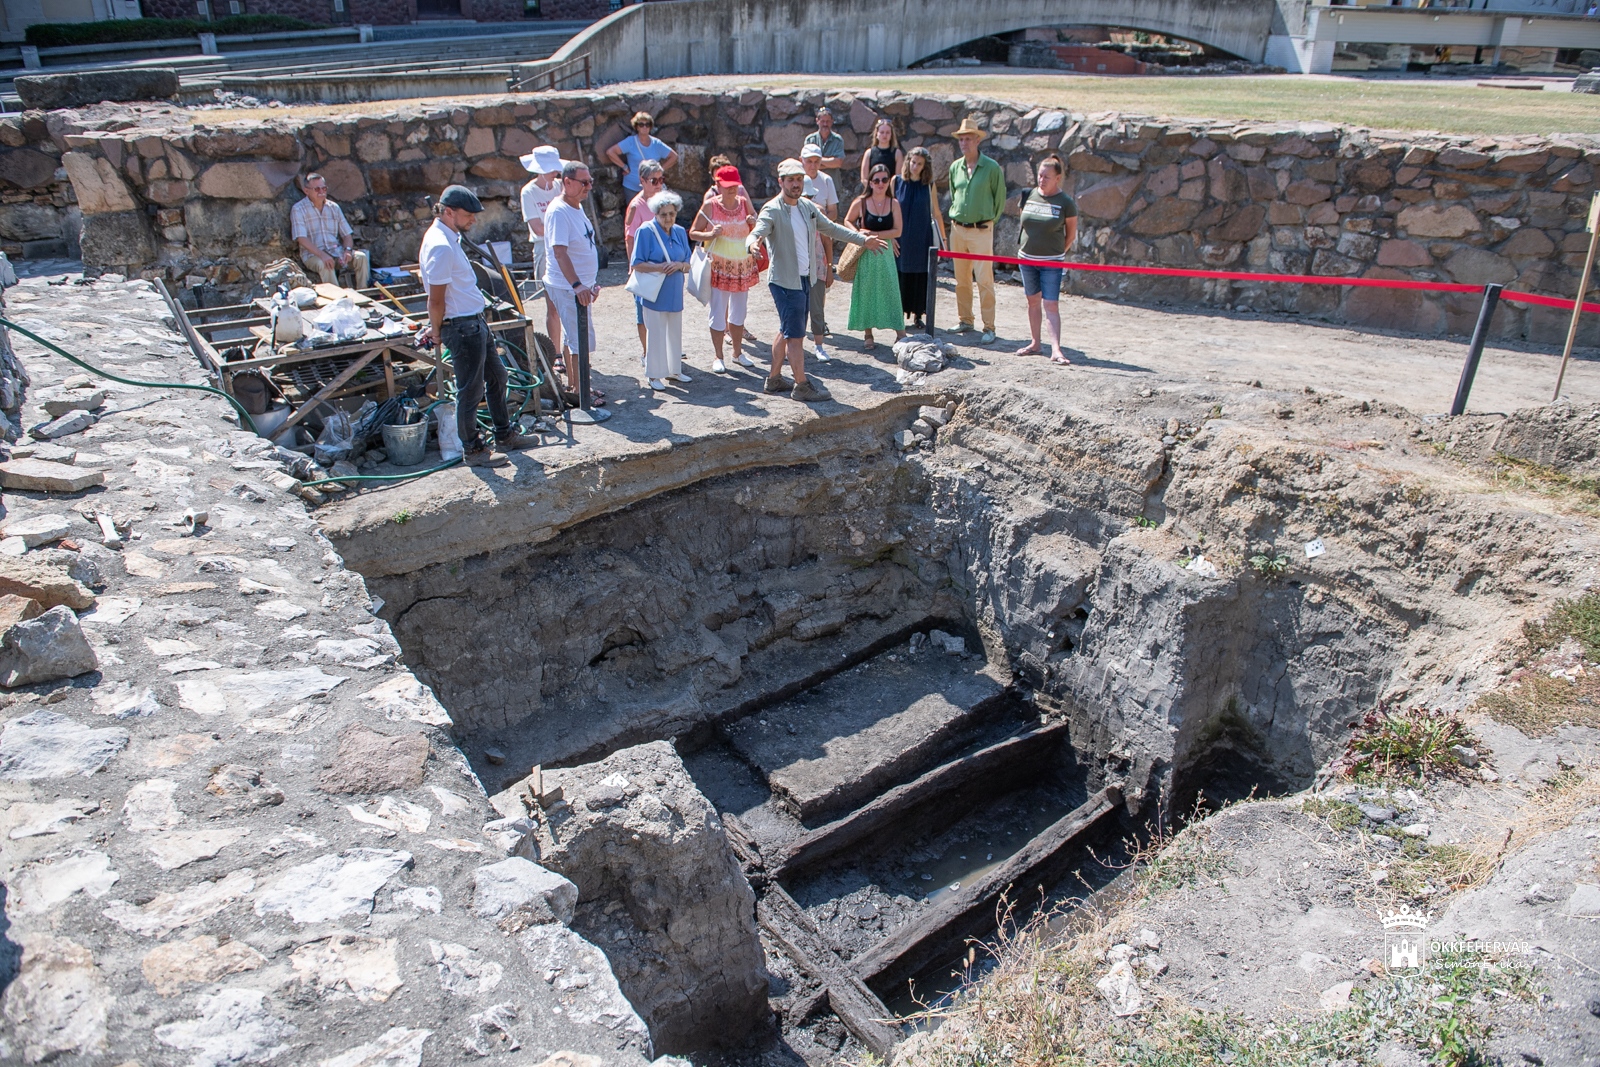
[[693, 37]]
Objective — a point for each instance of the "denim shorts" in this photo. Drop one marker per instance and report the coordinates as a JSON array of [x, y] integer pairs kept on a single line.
[[638, 311], [1046, 280], [792, 307]]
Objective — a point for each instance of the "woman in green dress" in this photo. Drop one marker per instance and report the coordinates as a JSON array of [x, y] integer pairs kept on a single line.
[[875, 292]]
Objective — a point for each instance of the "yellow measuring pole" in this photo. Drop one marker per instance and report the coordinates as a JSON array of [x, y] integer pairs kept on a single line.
[[1583, 290]]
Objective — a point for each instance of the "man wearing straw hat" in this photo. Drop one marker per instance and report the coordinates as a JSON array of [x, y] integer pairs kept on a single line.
[[545, 164], [977, 199]]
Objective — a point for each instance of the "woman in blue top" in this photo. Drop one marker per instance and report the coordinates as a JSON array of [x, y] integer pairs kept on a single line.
[[662, 247], [629, 152]]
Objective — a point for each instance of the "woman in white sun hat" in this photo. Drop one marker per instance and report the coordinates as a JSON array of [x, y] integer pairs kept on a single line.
[[545, 188]]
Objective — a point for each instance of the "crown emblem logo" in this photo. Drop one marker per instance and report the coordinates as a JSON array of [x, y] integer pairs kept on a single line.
[[1406, 919]]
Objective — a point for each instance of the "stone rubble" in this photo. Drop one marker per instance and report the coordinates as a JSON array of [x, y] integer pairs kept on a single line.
[[182, 760]]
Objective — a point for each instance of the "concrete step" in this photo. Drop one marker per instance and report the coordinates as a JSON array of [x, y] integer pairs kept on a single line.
[[840, 744]]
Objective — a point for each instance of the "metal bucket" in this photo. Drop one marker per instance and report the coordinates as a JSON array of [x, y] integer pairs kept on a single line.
[[405, 444]]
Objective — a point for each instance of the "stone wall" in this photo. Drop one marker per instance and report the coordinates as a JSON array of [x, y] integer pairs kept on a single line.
[[181, 194], [38, 209]]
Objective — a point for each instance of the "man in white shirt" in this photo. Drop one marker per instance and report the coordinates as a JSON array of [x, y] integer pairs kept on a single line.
[[573, 260], [545, 188], [456, 320], [820, 190]]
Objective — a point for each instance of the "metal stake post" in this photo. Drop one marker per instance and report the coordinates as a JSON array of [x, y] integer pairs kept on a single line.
[[1480, 334], [583, 413], [1583, 288], [933, 284]]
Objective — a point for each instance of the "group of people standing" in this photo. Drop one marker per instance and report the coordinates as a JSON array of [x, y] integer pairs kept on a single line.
[[885, 235]]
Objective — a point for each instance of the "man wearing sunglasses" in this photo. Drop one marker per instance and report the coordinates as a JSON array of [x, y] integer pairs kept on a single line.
[[573, 264]]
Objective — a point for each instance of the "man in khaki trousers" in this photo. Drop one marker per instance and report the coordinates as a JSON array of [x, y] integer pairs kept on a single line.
[[977, 200]]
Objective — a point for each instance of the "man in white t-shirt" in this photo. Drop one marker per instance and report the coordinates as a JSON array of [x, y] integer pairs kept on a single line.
[[820, 190], [572, 264], [457, 322], [545, 188]]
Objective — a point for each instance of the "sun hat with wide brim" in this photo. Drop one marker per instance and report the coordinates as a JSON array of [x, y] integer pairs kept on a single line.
[[545, 159], [968, 126]]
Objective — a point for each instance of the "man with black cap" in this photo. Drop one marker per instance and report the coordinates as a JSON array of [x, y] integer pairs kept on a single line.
[[456, 320]]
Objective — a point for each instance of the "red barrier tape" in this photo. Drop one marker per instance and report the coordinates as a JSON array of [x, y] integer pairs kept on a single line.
[[1302, 279]]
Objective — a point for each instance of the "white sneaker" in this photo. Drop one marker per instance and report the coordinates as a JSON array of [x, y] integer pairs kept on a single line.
[[657, 383], [745, 361], [822, 354], [719, 367], [680, 377]]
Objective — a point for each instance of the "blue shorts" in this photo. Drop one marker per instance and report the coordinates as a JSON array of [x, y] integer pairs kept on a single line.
[[638, 311], [1046, 280], [792, 307]]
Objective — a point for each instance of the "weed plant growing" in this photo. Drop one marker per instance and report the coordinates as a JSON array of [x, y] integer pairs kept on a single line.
[[1414, 744]]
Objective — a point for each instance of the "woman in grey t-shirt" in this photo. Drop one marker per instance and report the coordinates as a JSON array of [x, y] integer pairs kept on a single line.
[[1049, 226]]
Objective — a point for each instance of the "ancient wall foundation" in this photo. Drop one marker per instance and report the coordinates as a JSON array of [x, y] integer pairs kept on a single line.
[[182, 195]]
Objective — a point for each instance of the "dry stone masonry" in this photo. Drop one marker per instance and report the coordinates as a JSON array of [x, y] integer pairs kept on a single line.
[[232, 829], [168, 193]]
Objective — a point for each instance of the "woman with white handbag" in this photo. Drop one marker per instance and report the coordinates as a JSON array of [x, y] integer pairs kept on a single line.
[[656, 275]]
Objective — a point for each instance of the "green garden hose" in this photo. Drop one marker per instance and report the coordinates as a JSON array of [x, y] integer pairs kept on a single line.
[[244, 415]]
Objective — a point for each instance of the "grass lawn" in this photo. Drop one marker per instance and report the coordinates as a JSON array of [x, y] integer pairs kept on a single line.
[[1448, 106]]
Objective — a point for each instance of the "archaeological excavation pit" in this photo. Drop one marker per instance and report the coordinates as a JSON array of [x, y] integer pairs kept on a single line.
[[903, 688]]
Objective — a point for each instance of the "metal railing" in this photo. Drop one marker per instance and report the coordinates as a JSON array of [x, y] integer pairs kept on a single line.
[[550, 75]]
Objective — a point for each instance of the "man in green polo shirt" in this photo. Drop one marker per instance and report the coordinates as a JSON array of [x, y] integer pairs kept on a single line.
[[977, 200]]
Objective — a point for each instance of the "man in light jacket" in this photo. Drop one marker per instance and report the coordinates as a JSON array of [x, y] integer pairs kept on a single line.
[[789, 224]]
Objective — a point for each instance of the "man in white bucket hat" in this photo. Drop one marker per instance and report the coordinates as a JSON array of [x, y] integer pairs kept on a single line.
[[545, 189]]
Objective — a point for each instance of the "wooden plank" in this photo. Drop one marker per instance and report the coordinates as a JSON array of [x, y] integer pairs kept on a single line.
[[198, 344], [330, 291], [857, 1007], [323, 394], [207, 328], [999, 764], [970, 910], [388, 373]]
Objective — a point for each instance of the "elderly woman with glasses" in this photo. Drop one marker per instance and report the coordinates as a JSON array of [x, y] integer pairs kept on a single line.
[[629, 152], [723, 224], [875, 292], [653, 180], [662, 247]]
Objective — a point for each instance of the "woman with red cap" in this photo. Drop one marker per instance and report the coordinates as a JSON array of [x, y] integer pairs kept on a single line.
[[724, 223]]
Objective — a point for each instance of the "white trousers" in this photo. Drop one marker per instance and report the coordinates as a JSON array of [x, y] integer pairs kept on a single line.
[[727, 307], [663, 343]]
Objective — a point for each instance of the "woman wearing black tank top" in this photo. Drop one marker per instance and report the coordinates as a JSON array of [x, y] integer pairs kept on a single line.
[[885, 152], [875, 290]]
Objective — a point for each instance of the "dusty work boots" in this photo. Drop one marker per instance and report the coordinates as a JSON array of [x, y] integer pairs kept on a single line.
[[809, 390], [515, 442], [776, 384], [485, 457]]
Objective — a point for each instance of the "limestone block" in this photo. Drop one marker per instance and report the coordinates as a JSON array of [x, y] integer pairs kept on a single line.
[[234, 1026], [198, 961], [1403, 253], [50, 92], [693, 965], [58, 1000], [1306, 193], [82, 402], [936, 416], [254, 141], [1430, 221], [1479, 266], [117, 239], [784, 141], [245, 181], [480, 142], [36, 530], [1460, 159], [499, 168], [70, 423], [517, 892], [15, 609], [30, 222], [370, 762], [181, 163], [98, 186], [331, 886], [27, 168], [45, 649], [1108, 199], [1167, 215], [1528, 242], [372, 147], [1243, 225], [45, 744]]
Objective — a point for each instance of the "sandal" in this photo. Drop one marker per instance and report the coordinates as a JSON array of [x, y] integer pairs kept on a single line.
[[1030, 350], [1061, 361]]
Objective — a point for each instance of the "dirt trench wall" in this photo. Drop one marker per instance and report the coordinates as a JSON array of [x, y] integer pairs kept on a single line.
[[642, 624], [178, 195]]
